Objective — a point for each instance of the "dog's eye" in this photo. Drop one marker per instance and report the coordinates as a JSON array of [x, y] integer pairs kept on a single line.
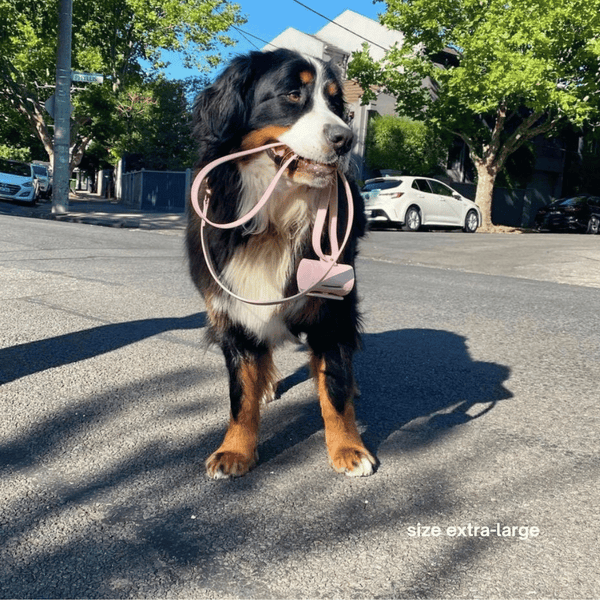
[[294, 96]]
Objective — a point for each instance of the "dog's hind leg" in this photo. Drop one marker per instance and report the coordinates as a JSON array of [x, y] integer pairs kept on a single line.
[[332, 370], [251, 377]]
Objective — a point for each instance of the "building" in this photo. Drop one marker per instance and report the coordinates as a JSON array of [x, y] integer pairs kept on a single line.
[[345, 35]]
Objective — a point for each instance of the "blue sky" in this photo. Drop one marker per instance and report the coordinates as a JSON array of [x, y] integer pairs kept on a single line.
[[268, 18]]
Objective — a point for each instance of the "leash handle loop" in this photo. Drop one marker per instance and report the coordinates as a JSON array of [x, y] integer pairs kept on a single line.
[[195, 192], [322, 210]]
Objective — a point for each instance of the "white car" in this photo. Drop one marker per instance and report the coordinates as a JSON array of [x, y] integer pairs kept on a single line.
[[413, 202], [43, 176], [17, 181]]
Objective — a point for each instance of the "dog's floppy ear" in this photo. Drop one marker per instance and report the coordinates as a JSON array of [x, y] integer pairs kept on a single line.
[[221, 110]]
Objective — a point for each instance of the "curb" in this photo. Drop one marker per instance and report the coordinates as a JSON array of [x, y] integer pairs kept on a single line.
[[102, 216]]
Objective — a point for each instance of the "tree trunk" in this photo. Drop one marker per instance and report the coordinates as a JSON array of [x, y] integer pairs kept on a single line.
[[486, 177], [77, 152]]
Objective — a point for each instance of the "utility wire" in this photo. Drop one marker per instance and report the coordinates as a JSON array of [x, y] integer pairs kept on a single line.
[[245, 33], [349, 30]]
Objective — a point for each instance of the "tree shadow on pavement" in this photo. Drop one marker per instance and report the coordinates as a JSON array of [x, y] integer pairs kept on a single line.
[[33, 357], [150, 521]]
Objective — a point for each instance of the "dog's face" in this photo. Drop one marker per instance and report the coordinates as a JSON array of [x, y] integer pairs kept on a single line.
[[299, 102], [284, 96]]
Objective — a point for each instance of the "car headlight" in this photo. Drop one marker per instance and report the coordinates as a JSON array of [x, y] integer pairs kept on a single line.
[[28, 184]]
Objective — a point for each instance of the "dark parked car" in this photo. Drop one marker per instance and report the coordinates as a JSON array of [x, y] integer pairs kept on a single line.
[[579, 213]]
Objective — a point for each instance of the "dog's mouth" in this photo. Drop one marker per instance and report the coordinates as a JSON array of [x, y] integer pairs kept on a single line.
[[301, 165]]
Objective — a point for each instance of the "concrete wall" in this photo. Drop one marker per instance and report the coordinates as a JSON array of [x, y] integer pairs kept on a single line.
[[367, 28]]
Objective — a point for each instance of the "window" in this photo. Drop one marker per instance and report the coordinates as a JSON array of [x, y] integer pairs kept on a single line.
[[15, 168], [381, 184], [441, 189], [577, 200], [421, 185], [38, 170]]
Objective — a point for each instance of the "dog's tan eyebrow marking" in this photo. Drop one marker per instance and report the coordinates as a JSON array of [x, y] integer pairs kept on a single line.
[[307, 77], [333, 88], [260, 137]]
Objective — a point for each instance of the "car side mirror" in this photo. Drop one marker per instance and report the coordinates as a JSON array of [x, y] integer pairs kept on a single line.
[[457, 196]]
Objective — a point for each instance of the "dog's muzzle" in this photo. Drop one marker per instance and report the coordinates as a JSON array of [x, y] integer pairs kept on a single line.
[[303, 165]]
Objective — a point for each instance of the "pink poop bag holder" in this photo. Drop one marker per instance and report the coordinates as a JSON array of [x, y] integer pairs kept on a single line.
[[323, 278]]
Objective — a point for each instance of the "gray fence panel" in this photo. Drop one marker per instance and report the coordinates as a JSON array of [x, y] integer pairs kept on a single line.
[[155, 190], [164, 191], [513, 208]]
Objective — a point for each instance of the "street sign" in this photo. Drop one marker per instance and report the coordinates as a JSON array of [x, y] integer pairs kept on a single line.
[[87, 77], [49, 104]]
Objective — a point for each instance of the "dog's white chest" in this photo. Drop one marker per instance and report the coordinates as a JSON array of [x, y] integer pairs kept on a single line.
[[260, 271]]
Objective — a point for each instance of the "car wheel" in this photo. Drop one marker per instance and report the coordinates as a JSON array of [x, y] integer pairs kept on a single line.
[[412, 220], [471, 222], [593, 225]]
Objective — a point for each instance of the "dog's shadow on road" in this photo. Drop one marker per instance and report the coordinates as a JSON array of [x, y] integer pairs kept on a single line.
[[421, 376]]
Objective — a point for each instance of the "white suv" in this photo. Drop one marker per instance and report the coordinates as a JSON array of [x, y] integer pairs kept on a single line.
[[413, 202]]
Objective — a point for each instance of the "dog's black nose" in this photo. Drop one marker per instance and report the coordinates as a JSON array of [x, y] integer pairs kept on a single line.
[[340, 137]]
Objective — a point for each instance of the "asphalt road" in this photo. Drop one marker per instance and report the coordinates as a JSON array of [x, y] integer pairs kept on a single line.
[[480, 383]]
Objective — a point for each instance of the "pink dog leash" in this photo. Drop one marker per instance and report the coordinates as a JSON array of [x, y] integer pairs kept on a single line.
[[322, 278]]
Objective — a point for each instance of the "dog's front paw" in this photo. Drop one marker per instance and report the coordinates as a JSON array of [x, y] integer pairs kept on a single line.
[[354, 462], [223, 465]]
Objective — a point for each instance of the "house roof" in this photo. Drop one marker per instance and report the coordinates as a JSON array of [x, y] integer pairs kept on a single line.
[[352, 92]]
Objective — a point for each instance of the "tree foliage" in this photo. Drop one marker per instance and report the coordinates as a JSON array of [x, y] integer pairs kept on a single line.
[[501, 72], [403, 144], [156, 125], [111, 37]]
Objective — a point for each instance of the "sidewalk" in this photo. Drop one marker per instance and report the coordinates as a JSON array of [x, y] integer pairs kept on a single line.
[[89, 208]]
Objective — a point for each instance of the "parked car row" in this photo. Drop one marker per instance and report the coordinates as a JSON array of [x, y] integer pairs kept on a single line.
[[415, 202], [392, 201], [24, 182]]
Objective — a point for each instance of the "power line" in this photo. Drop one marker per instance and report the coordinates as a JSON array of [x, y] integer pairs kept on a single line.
[[245, 33], [245, 37], [335, 23]]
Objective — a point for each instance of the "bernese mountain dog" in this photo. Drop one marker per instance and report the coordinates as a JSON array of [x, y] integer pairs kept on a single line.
[[260, 98]]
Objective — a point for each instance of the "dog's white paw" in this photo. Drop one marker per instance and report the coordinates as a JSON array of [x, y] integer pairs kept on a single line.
[[224, 464], [363, 469], [354, 462]]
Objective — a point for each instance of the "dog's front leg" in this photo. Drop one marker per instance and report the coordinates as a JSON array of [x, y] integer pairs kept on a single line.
[[333, 374], [251, 374]]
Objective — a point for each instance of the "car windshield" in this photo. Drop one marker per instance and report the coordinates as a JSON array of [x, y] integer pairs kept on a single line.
[[578, 200], [381, 184], [40, 171], [15, 168]]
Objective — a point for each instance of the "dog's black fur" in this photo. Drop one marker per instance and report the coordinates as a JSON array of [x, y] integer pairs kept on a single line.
[[261, 98]]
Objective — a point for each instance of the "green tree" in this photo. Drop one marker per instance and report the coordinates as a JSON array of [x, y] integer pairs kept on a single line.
[[111, 37], [403, 144], [156, 125], [498, 72]]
